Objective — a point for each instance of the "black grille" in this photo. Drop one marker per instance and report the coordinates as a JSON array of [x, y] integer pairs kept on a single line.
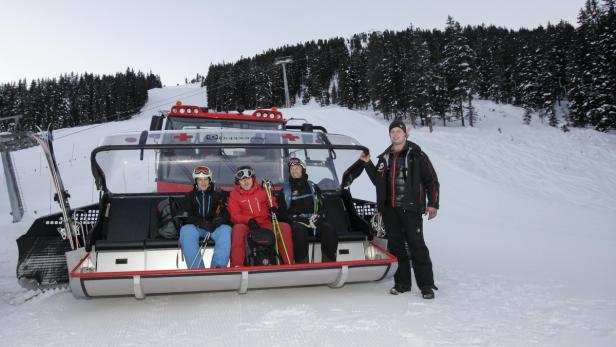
[[87, 217], [365, 209]]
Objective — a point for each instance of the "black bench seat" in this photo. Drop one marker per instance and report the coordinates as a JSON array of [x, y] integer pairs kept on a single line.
[[131, 221]]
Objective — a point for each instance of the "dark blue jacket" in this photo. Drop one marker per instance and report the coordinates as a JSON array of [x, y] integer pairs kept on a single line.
[[204, 206]]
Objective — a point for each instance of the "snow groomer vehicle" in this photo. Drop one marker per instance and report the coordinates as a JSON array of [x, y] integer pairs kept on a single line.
[[115, 247]]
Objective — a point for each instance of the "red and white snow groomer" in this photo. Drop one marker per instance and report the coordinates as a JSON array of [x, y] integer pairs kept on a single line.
[[121, 253]]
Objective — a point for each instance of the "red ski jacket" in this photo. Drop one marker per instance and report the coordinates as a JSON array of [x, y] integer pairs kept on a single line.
[[246, 204]]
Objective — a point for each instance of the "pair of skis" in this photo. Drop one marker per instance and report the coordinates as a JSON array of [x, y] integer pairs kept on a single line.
[[70, 230]]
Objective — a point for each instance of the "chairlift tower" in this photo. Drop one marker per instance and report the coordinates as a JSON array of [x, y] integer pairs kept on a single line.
[[283, 61], [10, 142]]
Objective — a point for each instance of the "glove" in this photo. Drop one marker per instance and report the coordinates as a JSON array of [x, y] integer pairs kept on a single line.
[[301, 220], [266, 183], [252, 224], [217, 221], [319, 218], [273, 210], [207, 225], [346, 182]]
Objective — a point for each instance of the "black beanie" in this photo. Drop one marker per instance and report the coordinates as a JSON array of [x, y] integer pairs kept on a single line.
[[397, 124]]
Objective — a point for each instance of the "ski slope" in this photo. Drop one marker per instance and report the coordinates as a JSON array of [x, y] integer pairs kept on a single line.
[[523, 249]]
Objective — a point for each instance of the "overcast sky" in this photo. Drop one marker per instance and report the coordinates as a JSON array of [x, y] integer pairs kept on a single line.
[[177, 39]]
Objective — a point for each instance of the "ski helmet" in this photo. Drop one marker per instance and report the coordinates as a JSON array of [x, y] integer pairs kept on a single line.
[[296, 161], [202, 171]]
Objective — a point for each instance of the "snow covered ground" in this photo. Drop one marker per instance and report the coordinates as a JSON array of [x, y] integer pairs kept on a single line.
[[523, 249]]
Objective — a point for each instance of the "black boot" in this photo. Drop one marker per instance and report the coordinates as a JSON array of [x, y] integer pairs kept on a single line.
[[399, 289], [427, 292]]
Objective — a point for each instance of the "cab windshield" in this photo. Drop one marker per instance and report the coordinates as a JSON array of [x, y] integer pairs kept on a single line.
[[166, 160], [185, 123]]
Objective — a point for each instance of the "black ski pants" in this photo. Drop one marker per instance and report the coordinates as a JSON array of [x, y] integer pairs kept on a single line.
[[329, 241], [406, 227]]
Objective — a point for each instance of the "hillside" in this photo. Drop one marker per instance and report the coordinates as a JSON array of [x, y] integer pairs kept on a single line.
[[522, 249]]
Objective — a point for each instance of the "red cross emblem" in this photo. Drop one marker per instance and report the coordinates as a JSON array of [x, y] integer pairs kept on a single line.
[[183, 137], [290, 137]]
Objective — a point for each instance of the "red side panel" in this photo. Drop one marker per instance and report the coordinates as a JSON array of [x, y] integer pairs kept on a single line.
[[168, 187]]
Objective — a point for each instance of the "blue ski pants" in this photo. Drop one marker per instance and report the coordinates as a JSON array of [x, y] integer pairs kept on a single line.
[[189, 241]]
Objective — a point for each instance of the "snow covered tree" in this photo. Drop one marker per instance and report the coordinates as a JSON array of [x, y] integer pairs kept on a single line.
[[592, 97], [72, 100], [414, 72], [417, 78], [264, 92], [458, 61], [529, 89], [438, 95], [353, 89]]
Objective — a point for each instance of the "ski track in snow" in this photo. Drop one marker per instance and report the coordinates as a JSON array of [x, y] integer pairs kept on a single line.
[[522, 249]]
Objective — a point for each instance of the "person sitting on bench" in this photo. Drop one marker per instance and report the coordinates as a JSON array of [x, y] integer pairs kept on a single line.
[[249, 207], [304, 205], [207, 216]]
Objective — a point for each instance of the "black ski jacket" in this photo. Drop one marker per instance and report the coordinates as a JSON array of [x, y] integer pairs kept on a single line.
[[301, 199], [408, 182], [203, 207]]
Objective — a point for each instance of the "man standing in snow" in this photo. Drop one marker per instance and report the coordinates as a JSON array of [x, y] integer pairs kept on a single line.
[[406, 187]]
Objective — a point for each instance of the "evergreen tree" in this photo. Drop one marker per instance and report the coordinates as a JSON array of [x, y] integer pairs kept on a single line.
[[608, 43], [458, 66], [72, 100], [264, 92], [528, 93], [353, 88], [413, 73], [418, 77], [584, 64], [439, 95]]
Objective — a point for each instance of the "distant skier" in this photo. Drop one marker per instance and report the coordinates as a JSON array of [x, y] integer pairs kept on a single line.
[[206, 214], [404, 177]]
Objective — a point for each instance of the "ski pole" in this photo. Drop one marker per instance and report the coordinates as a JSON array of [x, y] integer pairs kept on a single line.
[[274, 220], [201, 251], [284, 245], [275, 224], [268, 190], [275, 231], [314, 235], [314, 244]]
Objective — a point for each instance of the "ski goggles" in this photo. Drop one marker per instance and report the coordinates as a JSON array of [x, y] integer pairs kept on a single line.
[[295, 161], [244, 173], [202, 170]]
